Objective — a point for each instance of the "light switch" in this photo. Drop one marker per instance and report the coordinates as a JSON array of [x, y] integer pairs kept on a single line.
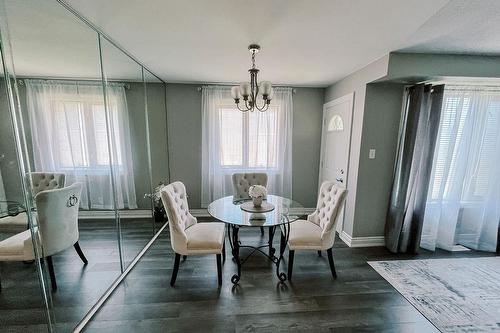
[[371, 154]]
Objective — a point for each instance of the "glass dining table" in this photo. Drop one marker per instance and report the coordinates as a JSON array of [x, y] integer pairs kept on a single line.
[[230, 212]]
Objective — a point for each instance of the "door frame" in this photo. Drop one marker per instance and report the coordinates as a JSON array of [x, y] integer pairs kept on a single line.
[[346, 98]]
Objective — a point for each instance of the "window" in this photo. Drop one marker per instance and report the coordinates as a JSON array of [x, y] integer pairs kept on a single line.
[[248, 140], [469, 131], [235, 141], [80, 138], [69, 135]]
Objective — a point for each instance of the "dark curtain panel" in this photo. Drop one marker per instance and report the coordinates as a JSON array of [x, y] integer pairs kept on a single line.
[[405, 215]]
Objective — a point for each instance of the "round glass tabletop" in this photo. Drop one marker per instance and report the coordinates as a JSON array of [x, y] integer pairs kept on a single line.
[[285, 211]]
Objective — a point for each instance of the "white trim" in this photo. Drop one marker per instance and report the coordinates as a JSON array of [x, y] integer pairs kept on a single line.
[[349, 98], [110, 214], [144, 213], [362, 241]]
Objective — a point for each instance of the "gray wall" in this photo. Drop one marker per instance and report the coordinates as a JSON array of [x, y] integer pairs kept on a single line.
[[184, 125], [381, 121]]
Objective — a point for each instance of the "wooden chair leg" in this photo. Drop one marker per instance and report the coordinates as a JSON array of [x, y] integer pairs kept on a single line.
[[219, 269], [176, 269], [291, 253], [50, 265], [224, 251], [332, 264], [319, 253], [80, 253]]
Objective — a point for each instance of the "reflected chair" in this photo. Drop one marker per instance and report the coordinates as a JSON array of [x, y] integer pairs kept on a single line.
[[187, 236], [241, 185], [318, 231], [41, 181], [57, 214]]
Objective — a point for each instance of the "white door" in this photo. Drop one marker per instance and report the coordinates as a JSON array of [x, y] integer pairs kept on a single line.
[[336, 143]]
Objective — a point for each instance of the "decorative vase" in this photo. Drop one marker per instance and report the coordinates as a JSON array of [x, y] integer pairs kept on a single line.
[[257, 201], [257, 193]]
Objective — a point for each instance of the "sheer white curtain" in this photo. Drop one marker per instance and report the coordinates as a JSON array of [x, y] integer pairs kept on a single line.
[[463, 204], [68, 129], [233, 141]]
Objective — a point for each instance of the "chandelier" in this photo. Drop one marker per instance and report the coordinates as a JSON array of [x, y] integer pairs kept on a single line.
[[250, 91]]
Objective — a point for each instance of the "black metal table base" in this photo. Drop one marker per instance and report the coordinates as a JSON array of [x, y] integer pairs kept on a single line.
[[233, 231]]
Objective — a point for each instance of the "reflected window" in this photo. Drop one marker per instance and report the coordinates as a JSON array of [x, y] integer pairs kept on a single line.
[[335, 124]]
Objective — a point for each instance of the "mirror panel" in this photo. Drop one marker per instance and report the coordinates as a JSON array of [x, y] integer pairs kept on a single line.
[[30, 305], [61, 100], [157, 119], [126, 101]]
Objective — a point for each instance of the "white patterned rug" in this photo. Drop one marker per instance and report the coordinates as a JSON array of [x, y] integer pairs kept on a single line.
[[456, 295]]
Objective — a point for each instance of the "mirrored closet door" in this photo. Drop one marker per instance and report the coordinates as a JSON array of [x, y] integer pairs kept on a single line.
[[76, 167]]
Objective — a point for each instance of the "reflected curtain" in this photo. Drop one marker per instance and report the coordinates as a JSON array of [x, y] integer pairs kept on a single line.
[[413, 168], [463, 205], [68, 131], [235, 141]]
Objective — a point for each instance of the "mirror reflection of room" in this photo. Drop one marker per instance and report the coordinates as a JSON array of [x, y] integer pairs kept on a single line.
[[84, 156]]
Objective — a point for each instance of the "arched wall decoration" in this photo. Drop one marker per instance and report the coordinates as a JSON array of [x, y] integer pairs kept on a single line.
[[336, 124]]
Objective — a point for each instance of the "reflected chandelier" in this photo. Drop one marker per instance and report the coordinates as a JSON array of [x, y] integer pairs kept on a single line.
[[250, 91]]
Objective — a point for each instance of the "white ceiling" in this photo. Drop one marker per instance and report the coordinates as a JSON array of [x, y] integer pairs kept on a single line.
[[304, 43], [311, 43]]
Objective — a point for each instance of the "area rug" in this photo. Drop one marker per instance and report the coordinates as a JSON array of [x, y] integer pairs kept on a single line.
[[455, 295]]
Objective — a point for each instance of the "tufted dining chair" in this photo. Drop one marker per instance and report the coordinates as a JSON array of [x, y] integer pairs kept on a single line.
[[187, 236], [47, 181], [57, 214], [41, 181], [318, 231], [242, 183]]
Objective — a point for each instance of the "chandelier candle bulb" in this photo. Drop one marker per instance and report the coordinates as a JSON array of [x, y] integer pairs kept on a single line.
[[245, 89], [235, 93], [265, 88]]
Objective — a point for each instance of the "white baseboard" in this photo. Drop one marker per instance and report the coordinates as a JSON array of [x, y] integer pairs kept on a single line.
[[110, 214], [362, 241], [145, 213]]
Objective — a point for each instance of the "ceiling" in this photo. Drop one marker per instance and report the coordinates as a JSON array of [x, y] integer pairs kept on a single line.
[[304, 43]]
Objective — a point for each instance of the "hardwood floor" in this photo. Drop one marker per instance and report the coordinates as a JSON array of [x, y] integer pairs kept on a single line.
[[360, 300], [79, 286]]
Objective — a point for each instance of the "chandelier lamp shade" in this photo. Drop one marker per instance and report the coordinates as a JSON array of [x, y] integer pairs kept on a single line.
[[252, 91]]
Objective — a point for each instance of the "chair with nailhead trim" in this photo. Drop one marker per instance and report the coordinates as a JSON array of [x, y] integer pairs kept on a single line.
[[318, 231], [41, 181], [187, 236], [57, 214]]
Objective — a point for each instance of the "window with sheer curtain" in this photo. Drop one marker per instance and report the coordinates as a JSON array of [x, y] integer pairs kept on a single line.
[[69, 135], [463, 205], [235, 141]]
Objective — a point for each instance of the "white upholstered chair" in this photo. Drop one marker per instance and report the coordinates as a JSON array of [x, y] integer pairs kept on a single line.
[[318, 231], [57, 214], [187, 236], [242, 183], [42, 181]]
